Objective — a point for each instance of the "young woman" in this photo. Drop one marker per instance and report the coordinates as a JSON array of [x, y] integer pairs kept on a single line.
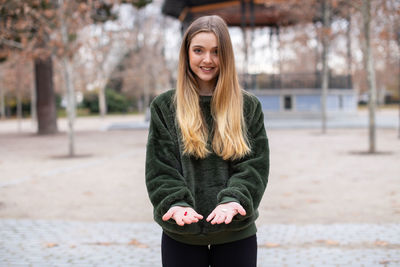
[[207, 159]]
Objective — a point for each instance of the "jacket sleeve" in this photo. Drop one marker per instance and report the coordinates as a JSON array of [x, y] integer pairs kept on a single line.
[[165, 184], [250, 174]]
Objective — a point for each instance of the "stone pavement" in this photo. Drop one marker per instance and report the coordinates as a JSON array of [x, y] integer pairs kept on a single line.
[[73, 243]]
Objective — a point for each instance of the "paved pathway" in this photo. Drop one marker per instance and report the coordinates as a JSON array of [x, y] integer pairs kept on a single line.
[[71, 243]]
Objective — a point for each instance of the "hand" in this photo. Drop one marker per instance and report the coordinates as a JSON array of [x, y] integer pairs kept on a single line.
[[182, 215], [225, 212]]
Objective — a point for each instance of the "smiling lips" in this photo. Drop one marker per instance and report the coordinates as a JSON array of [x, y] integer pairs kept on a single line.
[[206, 69]]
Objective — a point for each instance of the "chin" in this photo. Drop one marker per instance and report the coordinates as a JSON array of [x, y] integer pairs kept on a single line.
[[207, 78]]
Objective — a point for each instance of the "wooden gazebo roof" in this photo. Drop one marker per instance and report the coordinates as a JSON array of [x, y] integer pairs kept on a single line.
[[270, 13]]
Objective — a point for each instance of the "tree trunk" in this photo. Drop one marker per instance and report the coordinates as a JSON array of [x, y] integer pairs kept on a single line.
[[70, 105], [325, 69], [19, 110], [245, 73], [46, 101], [18, 93], [69, 85], [102, 89], [33, 107], [2, 101], [102, 100], [397, 34], [349, 54], [147, 95], [280, 59], [398, 45], [317, 57], [369, 66]]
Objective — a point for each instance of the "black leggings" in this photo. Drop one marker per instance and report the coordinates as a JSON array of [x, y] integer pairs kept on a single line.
[[241, 253]]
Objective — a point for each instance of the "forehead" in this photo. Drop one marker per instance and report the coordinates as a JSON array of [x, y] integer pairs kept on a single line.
[[205, 39]]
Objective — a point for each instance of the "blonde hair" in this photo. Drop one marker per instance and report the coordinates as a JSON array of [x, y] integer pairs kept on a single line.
[[230, 133]]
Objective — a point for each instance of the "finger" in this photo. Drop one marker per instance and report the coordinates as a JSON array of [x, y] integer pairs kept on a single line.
[[187, 220], [211, 216], [167, 215], [228, 219], [241, 210], [221, 218], [214, 221], [179, 221], [194, 219], [198, 216]]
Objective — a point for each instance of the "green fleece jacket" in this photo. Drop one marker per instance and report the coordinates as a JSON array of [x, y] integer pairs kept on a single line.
[[173, 178]]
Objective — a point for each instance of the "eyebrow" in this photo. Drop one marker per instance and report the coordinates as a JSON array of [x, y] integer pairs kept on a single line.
[[203, 46]]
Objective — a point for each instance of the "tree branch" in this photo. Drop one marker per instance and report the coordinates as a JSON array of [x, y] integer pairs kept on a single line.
[[355, 4], [10, 43]]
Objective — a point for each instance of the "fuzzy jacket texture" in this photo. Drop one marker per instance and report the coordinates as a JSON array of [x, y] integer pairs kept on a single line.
[[173, 178]]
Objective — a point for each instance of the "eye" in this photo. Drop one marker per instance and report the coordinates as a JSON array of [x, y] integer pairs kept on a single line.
[[197, 50], [215, 52]]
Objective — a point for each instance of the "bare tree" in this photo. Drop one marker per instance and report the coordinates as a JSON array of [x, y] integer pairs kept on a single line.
[[34, 26], [67, 70], [145, 69], [2, 101], [369, 66], [325, 69]]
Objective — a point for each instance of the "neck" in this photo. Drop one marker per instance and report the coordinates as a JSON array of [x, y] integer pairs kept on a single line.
[[206, 88]]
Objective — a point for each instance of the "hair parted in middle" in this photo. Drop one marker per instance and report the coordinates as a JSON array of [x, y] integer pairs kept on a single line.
[[230, 132]]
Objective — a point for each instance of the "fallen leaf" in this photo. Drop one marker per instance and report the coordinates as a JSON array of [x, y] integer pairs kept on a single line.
[[103, 243], [88, 193], [51, 245], [313, 201], [384, 262], [136, 243], [331, 242], [381, 243], [271, 245], [328, 242]]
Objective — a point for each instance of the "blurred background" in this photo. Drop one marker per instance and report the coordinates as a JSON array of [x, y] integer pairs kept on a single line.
[[76, 81]]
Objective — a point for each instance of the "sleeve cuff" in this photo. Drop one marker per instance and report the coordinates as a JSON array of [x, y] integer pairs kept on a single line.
[[228, 199], [181, 204]]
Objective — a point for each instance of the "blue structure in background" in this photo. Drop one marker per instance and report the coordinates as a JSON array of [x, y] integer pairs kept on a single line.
[[300, 93], [306, 100]]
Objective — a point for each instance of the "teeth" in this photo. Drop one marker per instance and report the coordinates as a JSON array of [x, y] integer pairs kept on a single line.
[[204, 68]]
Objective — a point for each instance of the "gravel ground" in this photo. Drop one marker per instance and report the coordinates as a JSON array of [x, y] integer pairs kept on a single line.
[[315, 178]]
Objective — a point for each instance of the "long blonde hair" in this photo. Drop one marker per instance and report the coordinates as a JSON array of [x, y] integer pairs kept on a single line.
[[230, 133]]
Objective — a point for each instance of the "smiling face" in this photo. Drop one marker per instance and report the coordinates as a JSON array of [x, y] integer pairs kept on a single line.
[[204, 60]]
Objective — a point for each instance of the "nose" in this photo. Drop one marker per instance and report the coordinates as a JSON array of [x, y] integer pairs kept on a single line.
[[207, 58]]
